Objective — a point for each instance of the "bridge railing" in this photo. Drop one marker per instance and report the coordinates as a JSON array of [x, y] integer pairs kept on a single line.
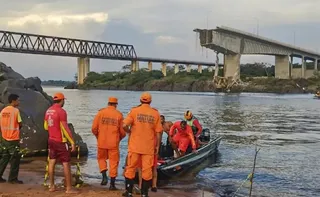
[[48, 45]]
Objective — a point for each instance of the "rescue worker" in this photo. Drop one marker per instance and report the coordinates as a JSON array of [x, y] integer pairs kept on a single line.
[[145, 126], [193, 122], [55, 122], [182, 138], [165, 128], [10, 125], [107, 127]]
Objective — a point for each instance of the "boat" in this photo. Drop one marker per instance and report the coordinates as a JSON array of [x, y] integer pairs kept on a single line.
[[169, 168]]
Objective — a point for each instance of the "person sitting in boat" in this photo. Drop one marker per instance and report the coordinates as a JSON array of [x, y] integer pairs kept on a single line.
[[195, 125], [182, 138]]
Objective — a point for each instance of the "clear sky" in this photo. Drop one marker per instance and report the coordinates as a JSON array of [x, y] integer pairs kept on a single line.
[[156, 28]]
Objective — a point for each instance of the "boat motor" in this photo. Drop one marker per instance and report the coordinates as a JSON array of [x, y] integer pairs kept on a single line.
[[205, 135]]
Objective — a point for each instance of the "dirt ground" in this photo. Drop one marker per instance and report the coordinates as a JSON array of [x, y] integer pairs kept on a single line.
[[32, 175]]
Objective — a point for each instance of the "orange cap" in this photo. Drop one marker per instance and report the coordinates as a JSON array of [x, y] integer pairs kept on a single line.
[[58, 96], [146, 97], [113, 100]]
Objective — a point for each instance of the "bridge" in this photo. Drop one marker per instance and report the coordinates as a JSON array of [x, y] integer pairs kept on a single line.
[[16, 42], [233, 43]]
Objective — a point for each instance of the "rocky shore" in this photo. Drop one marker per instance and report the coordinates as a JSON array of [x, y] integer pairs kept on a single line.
[[258, 85], [33, 104]]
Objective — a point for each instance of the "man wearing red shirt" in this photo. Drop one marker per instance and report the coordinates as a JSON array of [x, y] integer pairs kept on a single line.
[[182, 138], [55, 122]]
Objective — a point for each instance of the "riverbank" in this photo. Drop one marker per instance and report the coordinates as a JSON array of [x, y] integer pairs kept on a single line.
[[195, 82], [32, 173]]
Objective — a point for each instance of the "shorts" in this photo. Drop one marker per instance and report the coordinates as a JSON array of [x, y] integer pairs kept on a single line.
[[182, 141], [59, 151]]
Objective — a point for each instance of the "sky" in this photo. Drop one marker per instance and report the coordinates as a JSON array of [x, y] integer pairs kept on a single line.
[[157, 28]]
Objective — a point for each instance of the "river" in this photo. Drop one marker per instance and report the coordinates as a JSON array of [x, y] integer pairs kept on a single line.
[[285, 127]]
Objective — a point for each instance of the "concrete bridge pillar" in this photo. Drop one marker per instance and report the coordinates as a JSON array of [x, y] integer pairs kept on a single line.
[[164, 69], [149, 66], [83, 68], [176, 68], [232, 66], [134, 66], [303, 67], [282, 67], [316, 65], [199, 68], [188, 68]]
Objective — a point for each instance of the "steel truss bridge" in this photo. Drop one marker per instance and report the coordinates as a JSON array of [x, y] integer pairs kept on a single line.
[[16, 42]]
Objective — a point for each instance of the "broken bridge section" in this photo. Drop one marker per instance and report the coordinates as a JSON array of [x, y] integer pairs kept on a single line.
[[233, 43]]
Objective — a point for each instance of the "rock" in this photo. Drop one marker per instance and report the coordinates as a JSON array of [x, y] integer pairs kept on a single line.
[[33, 105]]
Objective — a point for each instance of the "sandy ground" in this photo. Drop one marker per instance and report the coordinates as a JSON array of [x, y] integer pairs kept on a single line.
[[32, 174]]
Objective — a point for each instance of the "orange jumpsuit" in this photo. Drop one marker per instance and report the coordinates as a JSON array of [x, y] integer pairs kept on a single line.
[[107, 127], [145, 124], [183, 137]]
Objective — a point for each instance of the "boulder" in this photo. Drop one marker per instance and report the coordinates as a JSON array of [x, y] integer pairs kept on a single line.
[[33, 104]]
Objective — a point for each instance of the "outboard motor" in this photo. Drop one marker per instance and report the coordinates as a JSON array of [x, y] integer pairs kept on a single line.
[[205, 135]]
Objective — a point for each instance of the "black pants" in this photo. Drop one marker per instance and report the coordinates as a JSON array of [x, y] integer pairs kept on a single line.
[[10, 153]]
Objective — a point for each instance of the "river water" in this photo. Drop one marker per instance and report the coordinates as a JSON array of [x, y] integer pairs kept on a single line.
[[285, 127]]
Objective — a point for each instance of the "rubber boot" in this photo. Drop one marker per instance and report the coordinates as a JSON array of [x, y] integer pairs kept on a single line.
[[112, 184], [104, 178], [129, 188], [145, 188]]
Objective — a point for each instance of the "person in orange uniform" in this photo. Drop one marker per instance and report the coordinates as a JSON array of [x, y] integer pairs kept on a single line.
[[55, 122], [182, 138], [11, 124], [194, 123], [108, 129], [145, 127]]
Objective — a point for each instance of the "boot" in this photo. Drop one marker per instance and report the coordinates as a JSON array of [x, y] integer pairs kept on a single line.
[[112, 184], [145, 188], [129, 188], [104, 178]]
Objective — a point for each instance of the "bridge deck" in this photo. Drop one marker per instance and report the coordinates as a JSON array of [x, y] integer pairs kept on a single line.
[[262, 39]]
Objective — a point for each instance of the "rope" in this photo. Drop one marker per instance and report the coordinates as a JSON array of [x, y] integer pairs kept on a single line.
[[248, 178], [79, 181]]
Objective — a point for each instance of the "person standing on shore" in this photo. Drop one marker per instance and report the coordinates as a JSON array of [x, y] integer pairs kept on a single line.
[[55, 122], [10, 125], [108, 129], [145, 126]]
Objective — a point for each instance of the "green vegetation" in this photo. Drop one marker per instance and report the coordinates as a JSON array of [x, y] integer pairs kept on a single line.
[[125, 78], [141, 78], [258, 77], [55, 82]]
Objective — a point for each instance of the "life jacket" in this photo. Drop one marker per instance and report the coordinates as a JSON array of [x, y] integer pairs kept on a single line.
[[190, 123]]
